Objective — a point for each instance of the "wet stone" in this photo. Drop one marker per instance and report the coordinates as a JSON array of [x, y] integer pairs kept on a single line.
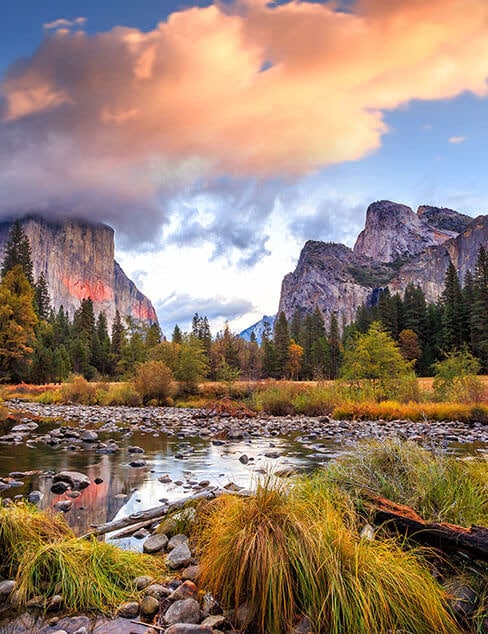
[[128, 610], [143, 582], [149, 605], [176, 540], [184, 611]]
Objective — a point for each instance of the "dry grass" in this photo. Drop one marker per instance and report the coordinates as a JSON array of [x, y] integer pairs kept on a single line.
[[41, 552], [298, 551]]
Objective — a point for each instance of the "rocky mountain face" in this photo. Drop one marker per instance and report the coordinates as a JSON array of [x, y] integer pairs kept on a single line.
[[77, 259], [397, 247]]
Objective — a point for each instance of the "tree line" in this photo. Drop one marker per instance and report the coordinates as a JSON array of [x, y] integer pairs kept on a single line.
[[40, 345]]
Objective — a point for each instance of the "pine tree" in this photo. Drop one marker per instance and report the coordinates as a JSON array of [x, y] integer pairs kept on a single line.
[[479, 313], [176, 337], [451, 302], [84, 340], [18, 251], [281, 346], [335, 348], [43, 301], [268, 351]]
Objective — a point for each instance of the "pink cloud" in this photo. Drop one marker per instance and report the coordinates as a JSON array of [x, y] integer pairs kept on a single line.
[[136, 112]]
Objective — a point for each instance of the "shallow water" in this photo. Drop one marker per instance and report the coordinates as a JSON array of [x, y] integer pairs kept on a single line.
[[125, 489]]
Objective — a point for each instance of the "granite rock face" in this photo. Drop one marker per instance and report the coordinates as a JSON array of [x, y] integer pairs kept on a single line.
[[397, 247], [77, 259]]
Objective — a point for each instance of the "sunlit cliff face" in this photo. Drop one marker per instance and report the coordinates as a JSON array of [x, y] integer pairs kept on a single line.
[[81, 289]]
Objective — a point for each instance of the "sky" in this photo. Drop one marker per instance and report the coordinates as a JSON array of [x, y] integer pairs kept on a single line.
[[217, 137]]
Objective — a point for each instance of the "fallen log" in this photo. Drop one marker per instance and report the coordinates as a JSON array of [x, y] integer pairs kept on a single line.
[[153, 514], [446, 537]]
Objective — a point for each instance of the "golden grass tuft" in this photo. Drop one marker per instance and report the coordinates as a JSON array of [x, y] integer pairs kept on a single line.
[[41, 552], [297, 551], [89, 575]]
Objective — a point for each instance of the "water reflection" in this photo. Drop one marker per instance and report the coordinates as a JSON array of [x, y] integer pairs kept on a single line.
[[125, 489]]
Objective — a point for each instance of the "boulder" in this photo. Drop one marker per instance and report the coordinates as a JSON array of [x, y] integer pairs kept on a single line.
[[184, 611]]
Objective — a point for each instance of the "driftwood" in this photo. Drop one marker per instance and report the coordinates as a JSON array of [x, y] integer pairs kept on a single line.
[[446, 537], [147, 517]]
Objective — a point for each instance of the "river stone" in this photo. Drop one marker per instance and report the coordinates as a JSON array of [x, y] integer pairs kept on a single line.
[[59, 487], [157, 590], [135, 449], [155, 544], [63, 505], [55, 603], [75, 479], [184, 611], [128, 610], [176, 540], [6, 587], [34, 497], [149, 605], [25, 427], [187, 590], [142, 582], [190, 573], [89, 436], [464, 601], [137, 463], [188, 628], [214, 620], [244, 459], [179, 557]]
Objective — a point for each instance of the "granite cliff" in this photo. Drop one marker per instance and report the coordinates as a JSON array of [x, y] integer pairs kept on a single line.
[[397, 247], [77, 259]]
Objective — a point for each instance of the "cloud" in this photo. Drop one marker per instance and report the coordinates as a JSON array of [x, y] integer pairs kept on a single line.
[[331, 221], [457, 139], [114, 126], [180, 308], [62, 23]]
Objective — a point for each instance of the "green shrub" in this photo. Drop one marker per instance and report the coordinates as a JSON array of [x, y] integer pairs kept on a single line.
[[120, 394]]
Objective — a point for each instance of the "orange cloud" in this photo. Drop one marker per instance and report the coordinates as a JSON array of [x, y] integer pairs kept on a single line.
[[189, 97]]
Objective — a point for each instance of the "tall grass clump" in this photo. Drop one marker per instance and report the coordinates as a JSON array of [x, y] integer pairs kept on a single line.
[[297, 551], [276, 398], [23, 529], [438, 486], [41, 552], [89, 575]]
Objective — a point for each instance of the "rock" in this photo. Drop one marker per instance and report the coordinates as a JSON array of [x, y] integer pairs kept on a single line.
[[214, 620], [74, 479], [367, 533], [98, 480], [244, 459], [142, 533], [464, 601], [155, 544], [89, 436], [59, 487], [142, 582], [55, 603], [34, 497], [187, 590], [25, 427], [179, 557], [137, 463], [6, 587], [188, 628], [81, 630], [128, 610], [191, 573], [63, 505], [149, 605], [165, 479], [184, 611], [157, 590], [176, 540], [135, 449]]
